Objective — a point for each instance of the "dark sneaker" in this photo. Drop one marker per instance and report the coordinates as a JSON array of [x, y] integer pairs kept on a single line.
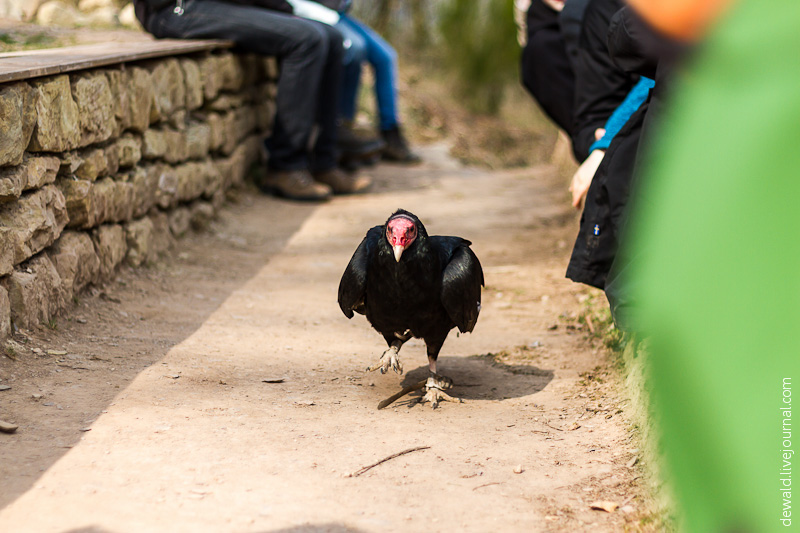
[[341, 182], [295, 185], [353, 145], [397, 149]]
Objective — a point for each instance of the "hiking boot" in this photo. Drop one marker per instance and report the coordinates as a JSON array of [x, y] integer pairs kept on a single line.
[[354, 145], [342, 182], [295, 185], [397, 149]]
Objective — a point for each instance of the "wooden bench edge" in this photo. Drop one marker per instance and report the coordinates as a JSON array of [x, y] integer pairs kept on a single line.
[[17, 66]]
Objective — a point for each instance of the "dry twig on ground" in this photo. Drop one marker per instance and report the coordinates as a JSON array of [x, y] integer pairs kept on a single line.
[[394, 455]]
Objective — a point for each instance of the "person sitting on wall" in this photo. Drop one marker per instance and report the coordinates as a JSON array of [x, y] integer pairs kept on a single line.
[[310, 58]]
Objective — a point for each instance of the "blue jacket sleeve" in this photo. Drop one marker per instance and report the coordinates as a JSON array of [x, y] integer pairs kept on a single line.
[[622, 113]]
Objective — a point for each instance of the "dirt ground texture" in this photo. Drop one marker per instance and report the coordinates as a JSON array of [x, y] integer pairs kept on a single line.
[[222, 389]]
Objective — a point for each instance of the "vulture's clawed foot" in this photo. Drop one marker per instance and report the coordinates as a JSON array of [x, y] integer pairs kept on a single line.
[[387, 360], [434, 391]]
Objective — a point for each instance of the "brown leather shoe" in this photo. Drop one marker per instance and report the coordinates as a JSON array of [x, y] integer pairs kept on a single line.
[[342, 182], [295, 185]]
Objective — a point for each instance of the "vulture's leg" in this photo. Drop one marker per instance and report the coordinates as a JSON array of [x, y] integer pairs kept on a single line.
[[389, 357], [437, 384]]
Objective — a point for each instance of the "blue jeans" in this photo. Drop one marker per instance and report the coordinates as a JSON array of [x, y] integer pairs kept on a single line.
[[310, 58], [366, 45]]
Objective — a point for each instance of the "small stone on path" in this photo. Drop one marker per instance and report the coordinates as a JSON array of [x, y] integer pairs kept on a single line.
[[606, 506]]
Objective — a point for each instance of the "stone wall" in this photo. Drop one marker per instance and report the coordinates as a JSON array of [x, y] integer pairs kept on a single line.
[[110, 165]]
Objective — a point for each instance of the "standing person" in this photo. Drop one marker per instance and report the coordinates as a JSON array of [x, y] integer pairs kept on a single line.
[[310, 57], [566, 67]]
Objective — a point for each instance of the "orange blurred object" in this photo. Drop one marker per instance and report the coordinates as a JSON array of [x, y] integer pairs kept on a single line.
[[685, 20]]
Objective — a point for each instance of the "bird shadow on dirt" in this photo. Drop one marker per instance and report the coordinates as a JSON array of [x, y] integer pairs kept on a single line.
[[481, 377]]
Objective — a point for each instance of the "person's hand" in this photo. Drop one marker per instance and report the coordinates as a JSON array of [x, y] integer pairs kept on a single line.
[[599, 133], [583, 177]]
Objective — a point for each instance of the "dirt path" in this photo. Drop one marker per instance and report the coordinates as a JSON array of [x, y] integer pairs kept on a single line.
[[151, 413]]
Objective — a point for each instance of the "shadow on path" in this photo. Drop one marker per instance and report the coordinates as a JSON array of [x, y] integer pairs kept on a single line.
[[131, 324]]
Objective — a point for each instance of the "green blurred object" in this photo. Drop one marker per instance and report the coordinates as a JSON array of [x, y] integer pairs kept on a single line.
[[717, 229]]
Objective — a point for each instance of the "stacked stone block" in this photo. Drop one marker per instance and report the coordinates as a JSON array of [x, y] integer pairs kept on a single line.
[[110, 165]]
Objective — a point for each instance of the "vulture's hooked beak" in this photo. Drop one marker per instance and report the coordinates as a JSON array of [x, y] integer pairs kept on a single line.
[[398, 251]]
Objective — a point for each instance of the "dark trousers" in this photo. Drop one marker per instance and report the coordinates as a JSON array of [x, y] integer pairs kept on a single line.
[[310, 57]]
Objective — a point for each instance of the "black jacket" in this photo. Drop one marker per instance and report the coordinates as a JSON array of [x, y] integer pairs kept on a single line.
[[545, 69], [597, 258], [145, 8]]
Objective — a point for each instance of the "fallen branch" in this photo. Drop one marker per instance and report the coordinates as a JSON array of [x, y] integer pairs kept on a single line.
[[398, 454], [407, 390]]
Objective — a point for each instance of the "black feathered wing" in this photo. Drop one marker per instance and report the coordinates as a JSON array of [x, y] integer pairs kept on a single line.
[[352, 286], [462, 280]]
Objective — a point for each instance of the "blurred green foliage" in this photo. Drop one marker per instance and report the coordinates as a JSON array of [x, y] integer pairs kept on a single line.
[[478, 39], [13, 41]]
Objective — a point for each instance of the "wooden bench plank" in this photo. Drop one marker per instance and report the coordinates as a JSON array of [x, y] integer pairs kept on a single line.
[[35, 63]]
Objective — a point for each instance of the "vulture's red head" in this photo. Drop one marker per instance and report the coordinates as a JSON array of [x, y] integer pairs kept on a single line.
[[401, 231]]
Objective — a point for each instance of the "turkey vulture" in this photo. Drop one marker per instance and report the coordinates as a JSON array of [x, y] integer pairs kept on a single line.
[[410, 284]]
